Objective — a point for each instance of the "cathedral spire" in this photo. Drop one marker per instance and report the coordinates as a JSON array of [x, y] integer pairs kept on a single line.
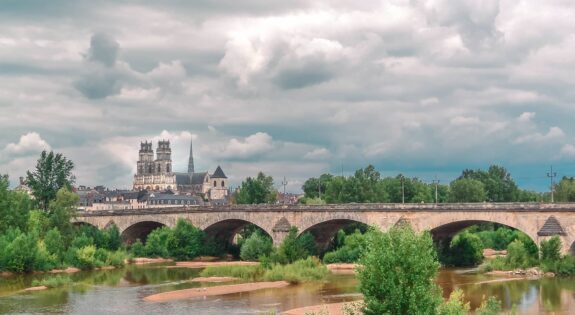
[[191, 160]]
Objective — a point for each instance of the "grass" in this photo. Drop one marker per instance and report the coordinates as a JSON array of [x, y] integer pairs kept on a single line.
[[53, 282], [304, 270]]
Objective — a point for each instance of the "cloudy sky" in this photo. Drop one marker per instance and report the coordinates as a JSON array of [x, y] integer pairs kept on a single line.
[[292, 88]]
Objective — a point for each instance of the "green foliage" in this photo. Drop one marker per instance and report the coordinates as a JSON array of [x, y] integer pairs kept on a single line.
[[20, 252], [53, 282], [53, 173], [497, 182], [54, 242], [565, 190], [38, 222], [491, 306], [351, 249], [61, 211], [257, 190], [517, 255], [303, 270], [186, 241], [157, 243], [313, 187], [465, 250], [137, 249], [395, 281], [85, 258], [256, 245], [467, 190], [294, 248], [455, 305], [112, 238], [14, 207], [551, 249]]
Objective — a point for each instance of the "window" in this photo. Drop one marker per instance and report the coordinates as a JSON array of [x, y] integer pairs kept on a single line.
[[215, 184], [222, 183], [159, 168], [168, 168]]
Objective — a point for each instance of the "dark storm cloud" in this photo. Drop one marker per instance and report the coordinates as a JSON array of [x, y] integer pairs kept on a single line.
[[103, 49]]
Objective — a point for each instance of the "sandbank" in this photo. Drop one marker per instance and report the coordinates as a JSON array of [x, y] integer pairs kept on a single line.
[[211, 291]]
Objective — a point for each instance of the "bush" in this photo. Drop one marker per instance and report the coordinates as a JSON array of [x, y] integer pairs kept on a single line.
[[21, 253], [157, 243], [489, 307], [517, 256], [112, 238], [186, 241], [293, 248], [137, 249], [304, 270], [551, 249], [44, 261], [350, 251], [256, 245], [82, 240], [116, 258], [85, 258], [250, 273], [465, 250], [54, 242], [393, 279], [455, 305]]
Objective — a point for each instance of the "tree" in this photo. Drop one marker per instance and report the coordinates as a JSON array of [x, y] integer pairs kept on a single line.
[[497, 181], [53, 172], [467, 190], [14, 207], [551, 249], [61, 210], [257, 190], [395, 281], [313, 186], [186, 241], [565, 190], [466, 250], [255, 246]]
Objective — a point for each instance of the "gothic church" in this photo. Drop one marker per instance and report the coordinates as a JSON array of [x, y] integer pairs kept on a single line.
[[157, 174]]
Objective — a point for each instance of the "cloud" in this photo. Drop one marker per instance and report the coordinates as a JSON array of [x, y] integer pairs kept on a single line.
[[553, 134], [526, 117], [104, 49], [316, 154], [258, 143], [568, 151], [28, 143]]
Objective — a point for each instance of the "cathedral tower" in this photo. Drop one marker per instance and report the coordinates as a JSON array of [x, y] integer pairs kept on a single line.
[[146, 159], [163, 158]]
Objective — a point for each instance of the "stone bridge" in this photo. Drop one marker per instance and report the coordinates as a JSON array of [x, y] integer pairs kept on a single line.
[[538, 220]]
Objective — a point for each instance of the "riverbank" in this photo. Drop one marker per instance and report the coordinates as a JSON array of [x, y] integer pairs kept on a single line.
[[212, 291], [341, 308]]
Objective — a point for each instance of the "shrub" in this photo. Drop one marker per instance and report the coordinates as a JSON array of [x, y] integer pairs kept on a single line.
[[21, 253], [112, 238], [455, 305], [116, 258], [466, 249], [551, 249], [54, 242], [395, 281], [44, 260], [82, 240], [250, 273], [138, 249], [490, 306], [86, 258], [517, 256], [157, 242], [186, 241], [294, 248], [256, 245], [350, 251], [304, 270]]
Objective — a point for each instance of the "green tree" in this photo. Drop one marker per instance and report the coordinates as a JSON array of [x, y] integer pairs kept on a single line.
[[314, 186], [393, 280], [257, 190], [255, 246], [517, 256], [497, 181], [466, 250], [186, 241], [467, 190], [157, 242], [551, 249], [53, 172], [112, 237], [54, 242], [61, 211], [565, 190], [14, 207]]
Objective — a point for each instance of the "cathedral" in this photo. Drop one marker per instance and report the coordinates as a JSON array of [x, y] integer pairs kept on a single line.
[[157, 174]]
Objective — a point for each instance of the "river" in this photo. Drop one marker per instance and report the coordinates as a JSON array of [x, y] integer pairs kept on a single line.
[[121, 291]]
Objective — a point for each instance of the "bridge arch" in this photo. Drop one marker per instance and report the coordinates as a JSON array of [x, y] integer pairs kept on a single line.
[[226, 229], [78, 224], [324, 231], [139, 230]]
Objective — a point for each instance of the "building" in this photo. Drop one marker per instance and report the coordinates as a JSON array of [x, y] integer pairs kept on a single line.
[[156, 174]]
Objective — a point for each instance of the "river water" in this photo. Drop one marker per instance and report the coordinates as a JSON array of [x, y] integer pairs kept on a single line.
[[121, 291]]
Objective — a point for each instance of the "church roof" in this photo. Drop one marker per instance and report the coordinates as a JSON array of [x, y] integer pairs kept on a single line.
[[198, 178], [219, 173], [551, 227], [182, 179]]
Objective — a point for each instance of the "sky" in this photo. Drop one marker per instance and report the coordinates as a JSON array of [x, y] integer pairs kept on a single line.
[[291, 88]]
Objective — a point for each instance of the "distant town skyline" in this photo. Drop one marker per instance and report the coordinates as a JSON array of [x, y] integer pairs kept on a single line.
[[293, 89]]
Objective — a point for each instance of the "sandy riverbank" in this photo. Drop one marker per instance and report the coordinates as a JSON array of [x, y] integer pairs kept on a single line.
[[342, 268], [145, 260], [214, 279], [211, 291], [331, 309]]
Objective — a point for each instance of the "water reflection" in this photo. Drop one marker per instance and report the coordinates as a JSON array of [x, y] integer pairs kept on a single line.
[[122, 291]]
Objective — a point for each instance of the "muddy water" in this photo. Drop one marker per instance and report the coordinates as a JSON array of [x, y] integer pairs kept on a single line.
[[122, 292]]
